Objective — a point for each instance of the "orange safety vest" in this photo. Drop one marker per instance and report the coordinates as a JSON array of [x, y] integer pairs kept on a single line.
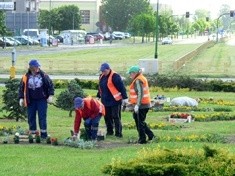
[[116, 94], [133, 96], [101, 106], [25, 79]]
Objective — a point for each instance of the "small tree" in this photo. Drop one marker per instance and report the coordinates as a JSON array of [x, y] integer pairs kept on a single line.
[[66, 98], [10, 101]]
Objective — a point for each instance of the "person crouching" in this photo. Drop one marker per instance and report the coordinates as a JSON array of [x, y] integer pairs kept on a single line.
[[91, 111]]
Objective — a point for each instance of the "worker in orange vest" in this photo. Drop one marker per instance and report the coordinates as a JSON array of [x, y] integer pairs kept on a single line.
[[140, 99], [112, 93], [91, 111], [35, 92]]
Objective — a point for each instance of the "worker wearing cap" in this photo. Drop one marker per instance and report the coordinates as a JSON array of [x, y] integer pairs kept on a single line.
[[112, 93], [140, 99], [91, 111], [36, 90]]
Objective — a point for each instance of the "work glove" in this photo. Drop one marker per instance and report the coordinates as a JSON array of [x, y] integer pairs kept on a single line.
[[21, 102], [125, 102], [136, 108], [50, 98]]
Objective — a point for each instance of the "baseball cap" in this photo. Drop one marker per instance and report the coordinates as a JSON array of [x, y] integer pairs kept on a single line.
[[104, 66], [34, 63], [134, 69], [78, 102]]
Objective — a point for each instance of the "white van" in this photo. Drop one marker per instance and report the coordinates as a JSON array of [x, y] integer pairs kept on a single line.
[[34, 33]]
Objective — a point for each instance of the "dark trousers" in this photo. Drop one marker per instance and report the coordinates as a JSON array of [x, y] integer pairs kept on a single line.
[[113, 118], [40, 107], [141, 125], [91, 127]]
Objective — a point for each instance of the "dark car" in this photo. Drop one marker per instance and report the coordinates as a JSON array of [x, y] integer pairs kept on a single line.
[[60, 38], [5, 42], [97, 36]]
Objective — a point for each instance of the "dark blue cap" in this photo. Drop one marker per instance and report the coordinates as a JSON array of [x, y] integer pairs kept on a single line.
[[104, 66], [34, 63]]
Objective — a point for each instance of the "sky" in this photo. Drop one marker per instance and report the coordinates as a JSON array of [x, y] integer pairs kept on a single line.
[[182, 6]]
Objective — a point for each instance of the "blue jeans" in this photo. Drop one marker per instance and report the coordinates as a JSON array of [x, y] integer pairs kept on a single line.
[[40, 107], [91, 127]]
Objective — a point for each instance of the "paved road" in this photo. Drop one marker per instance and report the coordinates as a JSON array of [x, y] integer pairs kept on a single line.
[[63, 77]]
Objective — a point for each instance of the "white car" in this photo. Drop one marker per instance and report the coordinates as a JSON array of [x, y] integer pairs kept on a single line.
[[118, 35], [166, 40]]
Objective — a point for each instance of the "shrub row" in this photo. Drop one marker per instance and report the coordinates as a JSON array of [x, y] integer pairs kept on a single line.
[[184, 162], [166, 81]]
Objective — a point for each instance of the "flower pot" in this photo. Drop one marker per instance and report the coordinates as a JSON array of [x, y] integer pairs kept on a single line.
[[38, 139]]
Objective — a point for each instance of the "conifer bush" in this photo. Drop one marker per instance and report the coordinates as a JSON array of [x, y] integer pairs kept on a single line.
[[11, 101], [65, 99]]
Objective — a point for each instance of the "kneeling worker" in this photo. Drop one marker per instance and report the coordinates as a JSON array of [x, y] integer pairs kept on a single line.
[[91, 110]]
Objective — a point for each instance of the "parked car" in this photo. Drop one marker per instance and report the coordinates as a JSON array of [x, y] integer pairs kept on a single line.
[[117, 35], [5, 42], [166, 40], [89, 38], [97, 36], [60, 38], [127, 35], [16, 42], [24, 40]]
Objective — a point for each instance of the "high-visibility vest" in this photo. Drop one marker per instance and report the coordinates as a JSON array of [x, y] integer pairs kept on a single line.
[[101, 106], [116, 94], [25, 79], [146, 94]]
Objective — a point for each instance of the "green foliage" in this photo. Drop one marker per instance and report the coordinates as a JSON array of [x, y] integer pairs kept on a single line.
[[90, 84], [2, 24], [65, 99], [79, 143], [185, 81], [124, 10], [61, 18], [182, 162], [11, 101]]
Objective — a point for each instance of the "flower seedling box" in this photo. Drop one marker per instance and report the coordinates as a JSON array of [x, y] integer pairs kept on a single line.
[[180, 120]]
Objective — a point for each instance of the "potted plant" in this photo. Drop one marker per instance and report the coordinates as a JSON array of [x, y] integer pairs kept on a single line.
[[30, 138], [54, 141], [17, 138], [37, 137], [48, 140]]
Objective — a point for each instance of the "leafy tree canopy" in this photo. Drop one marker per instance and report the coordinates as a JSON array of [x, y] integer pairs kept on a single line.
[[118, 13]]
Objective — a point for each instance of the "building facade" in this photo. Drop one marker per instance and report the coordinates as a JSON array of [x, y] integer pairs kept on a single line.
[[26, 13]]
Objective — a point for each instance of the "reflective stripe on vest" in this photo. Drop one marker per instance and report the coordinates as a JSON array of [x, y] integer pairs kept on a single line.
[[25, 79], [146, 95], [116, 94]]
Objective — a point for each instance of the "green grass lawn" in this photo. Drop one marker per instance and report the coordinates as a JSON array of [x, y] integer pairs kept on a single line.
[[216, 61], [88, 61], [39, 159]]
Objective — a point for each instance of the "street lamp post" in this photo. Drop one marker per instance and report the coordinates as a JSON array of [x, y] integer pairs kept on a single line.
[[49, 23], [157, 32], [73, 21]]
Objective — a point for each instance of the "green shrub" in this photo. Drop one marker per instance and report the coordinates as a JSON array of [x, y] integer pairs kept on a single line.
[[178, 162], [11, 101], [66, 98]]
